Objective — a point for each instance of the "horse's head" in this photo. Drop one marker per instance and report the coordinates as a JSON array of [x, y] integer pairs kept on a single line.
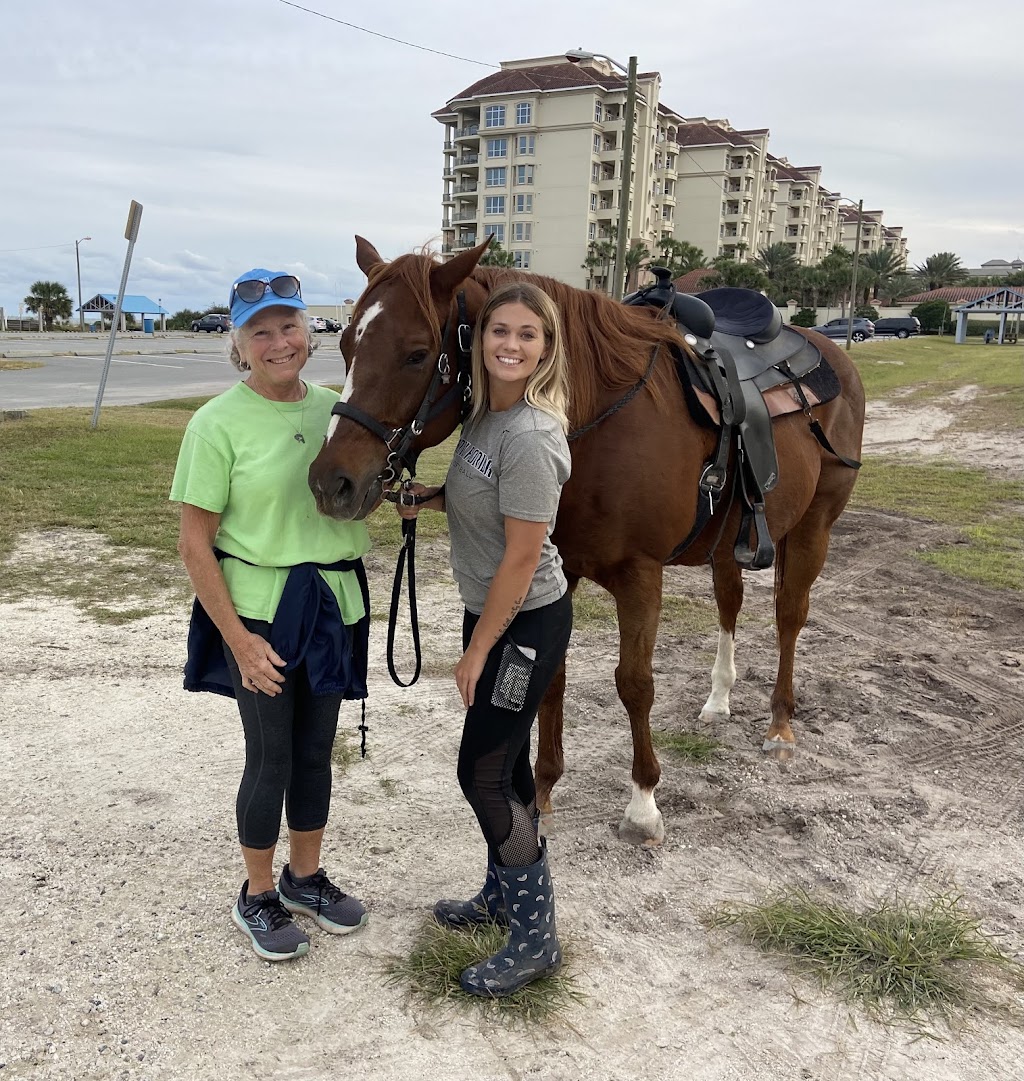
[[392, 351]]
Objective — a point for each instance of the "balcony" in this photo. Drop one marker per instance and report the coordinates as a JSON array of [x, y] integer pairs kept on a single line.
[[447, 197], [449, 147], [471, 131], [467, 161], [448, 174], [446, 249], [465, 215], [467, 240], [468, 187]]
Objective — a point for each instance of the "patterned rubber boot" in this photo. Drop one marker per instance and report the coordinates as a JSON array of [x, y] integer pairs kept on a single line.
[[487, 906], [533, 949]]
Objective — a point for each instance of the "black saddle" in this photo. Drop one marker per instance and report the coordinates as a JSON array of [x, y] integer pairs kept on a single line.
[[745, 349]]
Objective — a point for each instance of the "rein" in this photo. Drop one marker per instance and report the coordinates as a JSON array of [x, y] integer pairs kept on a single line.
[[402, 457]]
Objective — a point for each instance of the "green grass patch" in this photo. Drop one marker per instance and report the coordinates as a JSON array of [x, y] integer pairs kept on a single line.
[[19, 365], [899, 960], [688, 747], [439, 955], [934, 366], [987, 510], [592, 606]]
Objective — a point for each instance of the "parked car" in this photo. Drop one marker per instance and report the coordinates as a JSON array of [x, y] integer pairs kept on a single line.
[[212, 322], [317, 324], [902, 326], [333, 325], [837, 328]]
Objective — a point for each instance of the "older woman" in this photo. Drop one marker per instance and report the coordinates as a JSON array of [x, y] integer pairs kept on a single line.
[[281, 612]]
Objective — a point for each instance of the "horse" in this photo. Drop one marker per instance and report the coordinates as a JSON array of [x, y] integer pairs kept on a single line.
[[633, 491]]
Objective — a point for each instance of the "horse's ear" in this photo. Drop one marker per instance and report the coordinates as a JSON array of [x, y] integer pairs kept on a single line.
[[367, 256], [445, 278]]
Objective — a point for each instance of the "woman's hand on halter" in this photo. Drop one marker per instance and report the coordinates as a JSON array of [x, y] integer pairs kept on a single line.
[[412, 510], [256, 660]]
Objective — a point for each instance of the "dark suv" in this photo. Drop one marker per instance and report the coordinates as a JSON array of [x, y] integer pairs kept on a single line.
[[837, 328], [900, 325], [212, 322]]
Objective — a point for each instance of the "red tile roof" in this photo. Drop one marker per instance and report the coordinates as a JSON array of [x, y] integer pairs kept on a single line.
[[701, 134], [540, 78], [692, 281], [954, 294]]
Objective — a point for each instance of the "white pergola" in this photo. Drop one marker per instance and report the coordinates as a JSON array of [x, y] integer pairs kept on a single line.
[[1002, 302]]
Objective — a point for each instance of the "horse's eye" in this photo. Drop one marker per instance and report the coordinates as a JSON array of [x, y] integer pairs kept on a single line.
[[418, 357]]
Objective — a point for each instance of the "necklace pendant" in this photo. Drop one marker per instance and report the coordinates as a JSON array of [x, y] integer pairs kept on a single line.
[[299, 437]]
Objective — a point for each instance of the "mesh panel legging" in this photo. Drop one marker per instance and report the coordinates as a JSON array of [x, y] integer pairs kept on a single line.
[[288, 741], [494, 758]]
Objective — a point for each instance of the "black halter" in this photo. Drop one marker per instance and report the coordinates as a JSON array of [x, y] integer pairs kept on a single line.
[[401, 455]]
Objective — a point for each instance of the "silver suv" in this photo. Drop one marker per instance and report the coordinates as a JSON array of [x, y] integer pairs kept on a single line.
[[837, 328]]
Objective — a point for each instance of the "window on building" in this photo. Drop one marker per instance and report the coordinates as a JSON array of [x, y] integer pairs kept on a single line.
[[522, 231], [497, 148], [593, 200], [670, 161], [796, 194], [523, 175], [597, 112], [497, 230], [595, 173], [597, 143], [525, 144], [495, 177], [523, 204], [521, 259], [592, 231], [494, 204], [524, 112], [494, 116]]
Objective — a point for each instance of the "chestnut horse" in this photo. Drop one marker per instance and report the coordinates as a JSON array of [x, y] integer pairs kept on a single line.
[[633, 492]]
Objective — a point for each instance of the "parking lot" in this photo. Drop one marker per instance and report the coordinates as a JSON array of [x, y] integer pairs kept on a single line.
[[144, 368]]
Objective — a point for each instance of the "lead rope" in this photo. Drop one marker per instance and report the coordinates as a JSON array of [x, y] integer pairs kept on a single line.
[[408, 549]]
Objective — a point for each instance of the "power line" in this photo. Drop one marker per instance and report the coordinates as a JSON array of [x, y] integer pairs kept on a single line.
[[386, 37], [40, 247]]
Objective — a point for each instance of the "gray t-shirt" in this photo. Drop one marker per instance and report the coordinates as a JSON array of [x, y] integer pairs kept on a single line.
[[510, 464]]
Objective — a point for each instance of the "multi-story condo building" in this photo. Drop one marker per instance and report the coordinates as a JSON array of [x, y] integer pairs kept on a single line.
[[874, 236], [533, 155], [724, 188]]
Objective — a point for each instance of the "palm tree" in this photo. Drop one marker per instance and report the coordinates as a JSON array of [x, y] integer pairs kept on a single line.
[[496, 255], [50, 299], [942, 268], [636, 255], [680, 256], [600, 255], [779, 264], [898, 286], [881, 267], [729, 272]]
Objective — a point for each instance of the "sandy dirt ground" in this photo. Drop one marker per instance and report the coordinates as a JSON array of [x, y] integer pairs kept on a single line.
[[119, 865]]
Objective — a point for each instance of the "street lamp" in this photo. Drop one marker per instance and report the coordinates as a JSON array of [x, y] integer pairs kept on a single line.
[[578, 56], [856, 257], [78, 268]]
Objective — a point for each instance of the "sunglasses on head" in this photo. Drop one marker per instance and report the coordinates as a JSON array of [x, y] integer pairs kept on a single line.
[[285, 286]]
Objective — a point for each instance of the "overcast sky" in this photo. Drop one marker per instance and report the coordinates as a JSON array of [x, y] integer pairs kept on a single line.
[[256, 134]]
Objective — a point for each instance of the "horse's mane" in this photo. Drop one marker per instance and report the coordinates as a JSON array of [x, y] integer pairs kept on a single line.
[[608, 344]]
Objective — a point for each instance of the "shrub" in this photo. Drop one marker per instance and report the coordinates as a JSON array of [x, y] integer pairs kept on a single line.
[[866, 311], [934, 314], [805, 317]]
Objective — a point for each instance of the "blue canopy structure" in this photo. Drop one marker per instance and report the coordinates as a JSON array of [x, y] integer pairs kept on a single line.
[[133, 305], [1002, 302]]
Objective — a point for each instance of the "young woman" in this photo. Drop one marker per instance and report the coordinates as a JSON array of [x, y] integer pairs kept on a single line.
[[281, 614], [501, 496]]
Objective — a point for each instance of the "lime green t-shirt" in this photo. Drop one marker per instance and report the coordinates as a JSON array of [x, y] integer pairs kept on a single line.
[[240, 459]]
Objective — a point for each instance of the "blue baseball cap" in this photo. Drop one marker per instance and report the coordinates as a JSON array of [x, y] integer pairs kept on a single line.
[[280, 289]]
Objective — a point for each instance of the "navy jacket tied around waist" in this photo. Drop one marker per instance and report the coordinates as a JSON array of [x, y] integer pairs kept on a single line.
[[307, 627]]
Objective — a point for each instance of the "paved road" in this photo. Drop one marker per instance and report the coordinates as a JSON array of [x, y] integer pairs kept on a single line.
[[144, 368]]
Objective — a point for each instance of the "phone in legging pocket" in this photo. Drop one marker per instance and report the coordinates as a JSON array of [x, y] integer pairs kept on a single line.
[[513, 680]]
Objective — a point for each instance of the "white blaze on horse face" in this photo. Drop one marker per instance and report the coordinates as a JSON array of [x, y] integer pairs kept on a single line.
[[369, 315], [723, 676]]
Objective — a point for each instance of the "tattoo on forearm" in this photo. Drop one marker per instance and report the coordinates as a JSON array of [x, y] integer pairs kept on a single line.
[[512, 615]]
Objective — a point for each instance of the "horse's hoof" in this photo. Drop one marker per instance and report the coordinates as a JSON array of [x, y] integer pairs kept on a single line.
[[649, 835], [546, 824], [712, 716], [780, 749]]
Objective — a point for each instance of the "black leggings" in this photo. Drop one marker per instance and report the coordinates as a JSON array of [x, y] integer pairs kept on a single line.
[[288, 741], [494, 758]]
